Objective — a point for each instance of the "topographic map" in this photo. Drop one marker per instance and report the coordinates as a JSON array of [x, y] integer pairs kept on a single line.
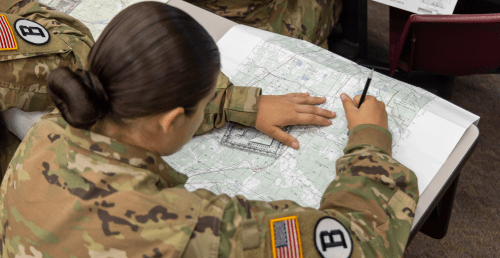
[[436, 3], [423, 6], [95, 14], [234, 160]]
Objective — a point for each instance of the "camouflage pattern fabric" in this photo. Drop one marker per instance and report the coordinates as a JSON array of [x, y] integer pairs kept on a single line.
[[23, 72], [310, 20], [233, 103], [73, 193], [8, 145]]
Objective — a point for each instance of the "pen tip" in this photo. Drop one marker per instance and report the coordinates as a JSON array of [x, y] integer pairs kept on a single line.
[[371, 73]]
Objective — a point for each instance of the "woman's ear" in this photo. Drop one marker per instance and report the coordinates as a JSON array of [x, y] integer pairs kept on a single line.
[[172, 119]]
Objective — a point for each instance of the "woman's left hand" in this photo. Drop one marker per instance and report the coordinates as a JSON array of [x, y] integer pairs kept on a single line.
[[278, 111]]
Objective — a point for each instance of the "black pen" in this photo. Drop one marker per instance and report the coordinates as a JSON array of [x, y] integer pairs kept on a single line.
[[365, 90]]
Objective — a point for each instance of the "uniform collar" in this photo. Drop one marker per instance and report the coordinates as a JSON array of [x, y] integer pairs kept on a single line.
[[125, 153]]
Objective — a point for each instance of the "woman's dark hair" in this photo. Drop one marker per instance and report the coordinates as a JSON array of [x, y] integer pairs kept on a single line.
[[151, 58]]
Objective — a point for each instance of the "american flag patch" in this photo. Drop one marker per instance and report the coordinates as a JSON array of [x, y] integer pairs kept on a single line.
[[285, 237], [7, 40]]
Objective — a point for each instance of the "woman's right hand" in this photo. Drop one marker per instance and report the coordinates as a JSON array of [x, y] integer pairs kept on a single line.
[[371, 111]]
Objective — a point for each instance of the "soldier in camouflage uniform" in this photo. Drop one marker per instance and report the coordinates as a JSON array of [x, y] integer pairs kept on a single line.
[[310, 20], [23, 72], [73, 192]]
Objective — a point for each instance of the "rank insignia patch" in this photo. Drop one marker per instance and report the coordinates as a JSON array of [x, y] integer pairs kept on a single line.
[[7, 39], [285, 236]]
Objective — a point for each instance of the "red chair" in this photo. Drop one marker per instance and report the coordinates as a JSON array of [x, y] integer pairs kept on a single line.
[[453, 45]]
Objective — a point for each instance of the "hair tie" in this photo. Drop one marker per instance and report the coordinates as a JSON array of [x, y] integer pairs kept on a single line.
[[100, 95], [91, 84]]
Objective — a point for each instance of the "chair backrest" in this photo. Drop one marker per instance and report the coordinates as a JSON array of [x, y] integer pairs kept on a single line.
[[460, 44]]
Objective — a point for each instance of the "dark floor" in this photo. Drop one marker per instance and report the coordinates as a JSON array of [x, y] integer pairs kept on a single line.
[[474, 229]]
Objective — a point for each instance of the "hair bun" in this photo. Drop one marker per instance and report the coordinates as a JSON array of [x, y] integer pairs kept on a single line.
[[78, 95]]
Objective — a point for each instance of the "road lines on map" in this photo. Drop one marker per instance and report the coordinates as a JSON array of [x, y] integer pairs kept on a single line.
[[218, 171], [279, 83], [267, 176], [275, 148], [259, 175], [397, 112], [64, 6], [436, 3], [242, 138]]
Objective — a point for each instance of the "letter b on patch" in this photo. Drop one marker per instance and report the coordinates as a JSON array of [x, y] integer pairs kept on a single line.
[[31, 32], [332, 239]]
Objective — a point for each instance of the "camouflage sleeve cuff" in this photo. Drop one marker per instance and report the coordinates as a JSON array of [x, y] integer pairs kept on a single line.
[[369, 134], [242, 108]]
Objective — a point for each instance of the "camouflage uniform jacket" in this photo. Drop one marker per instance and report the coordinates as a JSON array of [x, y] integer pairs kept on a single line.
[[72, 193], [310, 20], [23, 72]]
